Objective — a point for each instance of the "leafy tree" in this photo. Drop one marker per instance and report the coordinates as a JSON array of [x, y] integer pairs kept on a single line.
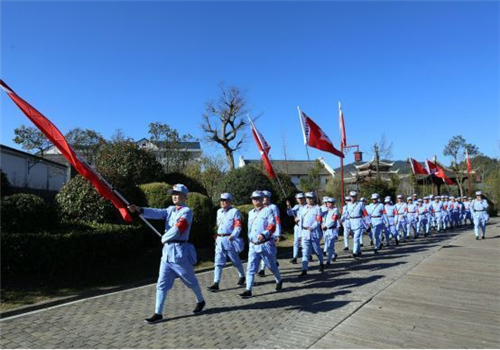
[[173, 146], [85, 142], [455, 148], [30, 138], [224, 123], [241, 182], [313, 180], [209, 171]]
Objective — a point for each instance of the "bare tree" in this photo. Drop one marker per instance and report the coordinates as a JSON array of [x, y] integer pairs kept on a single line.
[[224, 123], [85, 142], [455, 149], [381, 149]]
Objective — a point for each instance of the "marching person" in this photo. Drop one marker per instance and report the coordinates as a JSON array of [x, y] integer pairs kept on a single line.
[[324, 212], [277, 232], [390, 228], [178, 256], [428, 215], [423, 219], [438, 213], [227, 243], [331, 228], [296, 212], [366, 226], [411, 217], [344, 219], [261, 226], [378, 220], [400, 211], [479, 207], [356, 212], [455, 209], [467, 211], [311, 233], [446, 212]]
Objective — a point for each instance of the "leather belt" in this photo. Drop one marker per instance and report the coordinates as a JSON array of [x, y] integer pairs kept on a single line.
[[259, 243], [223, 234], [479, 210], [176, 241], [379, 216], [356, 217]]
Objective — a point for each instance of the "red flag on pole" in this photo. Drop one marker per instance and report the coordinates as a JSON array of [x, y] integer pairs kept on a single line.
[[56, 137], [315, 137], [264, 148], [343, 139], [417, 168], [469, 165], [435, 169]]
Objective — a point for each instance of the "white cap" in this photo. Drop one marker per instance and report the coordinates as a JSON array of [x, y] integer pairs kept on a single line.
[[426, 198], [420, 200], [310, 195], [375, 196], [256, 194], [414, 195], [299, 195], [387, 199], [399, 196], [431, 196], [479, 193], [179, 188], [266, 194], [330, 199], [347, 198], [353, 194], [325, 199], [451, 197], [408, 198], [226, 196]]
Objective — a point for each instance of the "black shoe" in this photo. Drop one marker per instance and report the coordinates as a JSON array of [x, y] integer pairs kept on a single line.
[[375, 251], [477, 238], [154, 319], [277, 263], [279, 286], [241, 281], [484, 237], [311, 258], [293, 261], [246, 294], [321, 267], [334, 257], [303, 273], [214, 287], [371, 243], [346, 248], [397, 241], [199, 307], [261, 273], [361, 245], [328, 264]]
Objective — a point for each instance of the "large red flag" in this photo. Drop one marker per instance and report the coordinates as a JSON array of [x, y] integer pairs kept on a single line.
[[435, 169], [343, 139], [264, 148], [315, 137], [417, 168], [56, 137]]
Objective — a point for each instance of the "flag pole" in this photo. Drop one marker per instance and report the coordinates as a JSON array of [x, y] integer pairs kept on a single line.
[[469, 189], [303, 133], [342, 196]]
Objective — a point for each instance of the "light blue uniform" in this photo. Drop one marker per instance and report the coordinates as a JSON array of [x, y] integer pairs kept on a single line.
[[480, 215], [437, 211], [311, 219], [467, 212], [455, 209], [276, 234], [378, 220], [296, 212], [412, 219], [261, 221], [228, 227], [446, 214], [331, 221], [428, 216], [423, 219], [390, 227], [401, 224], [344, 219], [356, 213], [178, 256]]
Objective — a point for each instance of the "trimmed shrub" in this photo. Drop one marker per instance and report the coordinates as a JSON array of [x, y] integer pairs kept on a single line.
[[156, 195], [78, 200], [73, 254], [203, 219], [23, 212], [192, 184], [241, 182], [5, 185]]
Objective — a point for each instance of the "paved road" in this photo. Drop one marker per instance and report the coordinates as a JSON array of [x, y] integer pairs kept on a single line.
[[438, 292]]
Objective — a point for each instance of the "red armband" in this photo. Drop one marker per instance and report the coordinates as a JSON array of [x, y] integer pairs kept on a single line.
[[271, 228], [182, 224], [319, 218], [237, 223]]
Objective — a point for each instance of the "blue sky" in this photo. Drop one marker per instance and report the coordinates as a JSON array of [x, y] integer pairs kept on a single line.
[[418, 72]]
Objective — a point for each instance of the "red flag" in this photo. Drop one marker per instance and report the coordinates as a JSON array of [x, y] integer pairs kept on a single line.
[[55, 136], [264, 148], [417, 168], [435, 169], [469, 165], [343, 139], [315, 137]]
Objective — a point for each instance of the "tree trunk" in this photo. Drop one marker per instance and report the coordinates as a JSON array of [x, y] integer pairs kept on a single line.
[[229, 159]]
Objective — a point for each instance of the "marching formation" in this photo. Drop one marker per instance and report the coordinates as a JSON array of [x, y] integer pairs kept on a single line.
[[385, 223]]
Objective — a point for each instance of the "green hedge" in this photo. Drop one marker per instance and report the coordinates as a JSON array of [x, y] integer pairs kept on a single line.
[[241, 182], [24, 212], [74, 253], [156, 195]]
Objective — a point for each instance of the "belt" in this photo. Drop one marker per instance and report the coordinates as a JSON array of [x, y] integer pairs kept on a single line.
[[356, 217], [401, 214], [264, 241], [176, 241], [223, 234], [422, 214], [411, 212], [479, 210], [379, 216], [437, 211]]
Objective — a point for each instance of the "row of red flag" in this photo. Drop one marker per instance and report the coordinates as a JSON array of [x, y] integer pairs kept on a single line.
[[432, 168]]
